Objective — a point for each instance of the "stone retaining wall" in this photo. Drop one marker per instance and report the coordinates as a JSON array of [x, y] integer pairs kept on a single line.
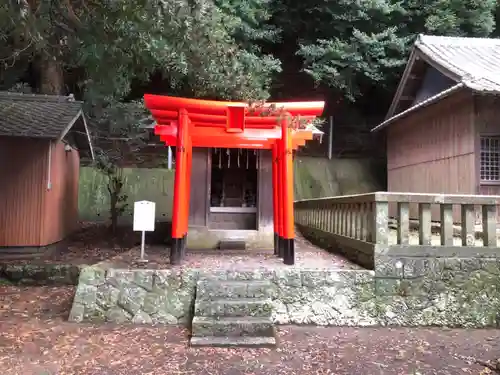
[[453, 293], [40, 274], [327, 241]]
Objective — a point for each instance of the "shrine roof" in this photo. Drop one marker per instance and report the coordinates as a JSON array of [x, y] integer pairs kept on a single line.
[[232, 124], [165, 108]]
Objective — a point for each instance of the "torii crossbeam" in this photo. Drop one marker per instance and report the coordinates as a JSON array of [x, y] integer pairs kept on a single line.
[[187, 123]]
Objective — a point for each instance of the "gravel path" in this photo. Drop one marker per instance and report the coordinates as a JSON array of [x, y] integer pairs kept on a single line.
[[306, 256], [36, 339]]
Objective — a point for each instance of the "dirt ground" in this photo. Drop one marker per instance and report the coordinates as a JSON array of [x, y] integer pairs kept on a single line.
[[306, 255], [89, 244], [36, 339], [93, 243]]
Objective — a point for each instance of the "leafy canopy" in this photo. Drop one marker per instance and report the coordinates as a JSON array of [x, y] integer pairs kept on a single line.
[[202, 48], [351, 45]]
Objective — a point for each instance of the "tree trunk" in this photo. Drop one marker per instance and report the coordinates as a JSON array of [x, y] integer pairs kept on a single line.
[[113, 210], [51, 76]]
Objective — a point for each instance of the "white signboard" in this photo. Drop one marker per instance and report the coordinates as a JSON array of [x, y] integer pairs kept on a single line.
[[144, 216]]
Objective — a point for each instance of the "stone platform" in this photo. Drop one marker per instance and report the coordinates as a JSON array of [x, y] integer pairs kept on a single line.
[[320, 289], [122, 289], [306, 256], [298, 296]]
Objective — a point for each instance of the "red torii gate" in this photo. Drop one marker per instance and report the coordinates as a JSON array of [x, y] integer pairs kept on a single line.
[[187, 123]]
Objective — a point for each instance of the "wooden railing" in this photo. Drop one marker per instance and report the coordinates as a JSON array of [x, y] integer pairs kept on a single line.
[[361, 225]]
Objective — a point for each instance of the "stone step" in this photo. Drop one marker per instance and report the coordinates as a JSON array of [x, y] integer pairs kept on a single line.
[[232, 327], [218, 341], [234, 307], [211, 289], [232, 245], [237, 274]]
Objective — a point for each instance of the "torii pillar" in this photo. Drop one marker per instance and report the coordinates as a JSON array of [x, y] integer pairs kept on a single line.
[[286, 168]]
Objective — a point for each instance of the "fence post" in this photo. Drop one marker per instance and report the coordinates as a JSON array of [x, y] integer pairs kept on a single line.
[[380, 222], [489, 213]]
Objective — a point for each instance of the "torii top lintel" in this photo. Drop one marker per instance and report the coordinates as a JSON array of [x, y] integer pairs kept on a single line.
[[230, 124]]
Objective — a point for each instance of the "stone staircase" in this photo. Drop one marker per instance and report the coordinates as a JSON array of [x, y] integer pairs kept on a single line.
[[231, 313]]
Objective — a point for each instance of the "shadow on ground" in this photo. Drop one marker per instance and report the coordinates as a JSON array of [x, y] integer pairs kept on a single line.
[[36, 339]]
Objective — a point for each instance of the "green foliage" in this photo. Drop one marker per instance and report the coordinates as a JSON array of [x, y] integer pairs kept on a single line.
[[214, 48], [194, 44], [360, 60], [458, 17], [353, 45]]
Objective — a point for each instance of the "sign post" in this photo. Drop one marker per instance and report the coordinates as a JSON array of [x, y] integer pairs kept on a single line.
[[144, 221]]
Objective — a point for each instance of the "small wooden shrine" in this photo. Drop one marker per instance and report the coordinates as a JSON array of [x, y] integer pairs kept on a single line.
[[233, 168]]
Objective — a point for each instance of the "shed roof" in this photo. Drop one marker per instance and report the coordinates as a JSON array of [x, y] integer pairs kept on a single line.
[[45, 116], [38, 116], [472, 63]]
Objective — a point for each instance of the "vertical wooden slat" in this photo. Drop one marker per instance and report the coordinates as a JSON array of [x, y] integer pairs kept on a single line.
[[424, 224], [403, 228], [467, 225], [23, 170], [416, 163]]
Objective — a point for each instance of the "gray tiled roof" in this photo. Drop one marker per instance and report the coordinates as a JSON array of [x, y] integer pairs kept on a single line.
[[475, 61], [30, 115]]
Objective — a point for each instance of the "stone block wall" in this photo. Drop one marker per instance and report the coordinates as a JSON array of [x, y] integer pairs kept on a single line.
[[40, 274], [323, 297], [329, 242], [450, 286], [453, 293], [137, 296]]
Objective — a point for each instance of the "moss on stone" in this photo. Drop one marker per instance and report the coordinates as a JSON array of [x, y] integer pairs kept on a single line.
[[40, 274], [455, 300], [5, 282]]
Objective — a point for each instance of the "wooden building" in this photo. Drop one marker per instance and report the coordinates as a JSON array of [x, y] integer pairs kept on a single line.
[[231, 198], [40, 140], [442, 129]]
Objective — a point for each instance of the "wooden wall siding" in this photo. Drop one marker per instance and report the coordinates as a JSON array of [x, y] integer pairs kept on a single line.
[[265, 191], [23, 164], [487, 113], [432, 150], [200, 187], [60, 208]]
